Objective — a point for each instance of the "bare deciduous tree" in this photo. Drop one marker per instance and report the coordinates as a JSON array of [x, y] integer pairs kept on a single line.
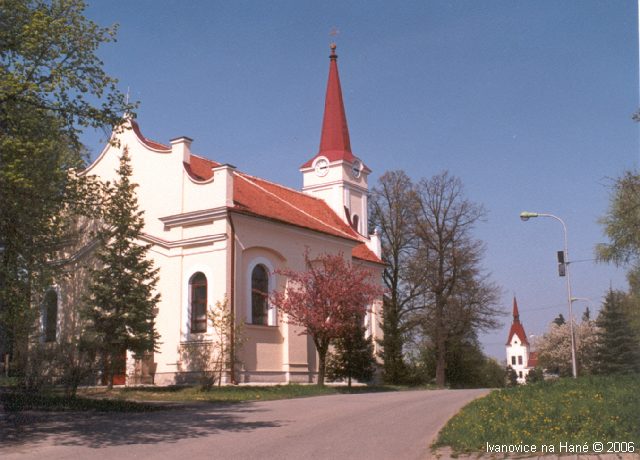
[[457, 295], [392, 205]]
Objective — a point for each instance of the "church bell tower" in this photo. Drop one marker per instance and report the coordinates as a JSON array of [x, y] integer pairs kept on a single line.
[[335, 174]]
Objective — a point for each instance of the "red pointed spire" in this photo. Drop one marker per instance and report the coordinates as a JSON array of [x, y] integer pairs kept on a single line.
[[516, 313], [334, 139], [516, 327], [335, 132]]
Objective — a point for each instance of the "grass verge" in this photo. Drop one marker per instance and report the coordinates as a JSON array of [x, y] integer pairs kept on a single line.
[[228, 394], [585, 410], [20, 401], [141, 399]]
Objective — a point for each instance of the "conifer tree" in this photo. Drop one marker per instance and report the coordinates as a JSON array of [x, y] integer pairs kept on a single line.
[[352, 356], [559, 320], [121, 300], [618, 351]]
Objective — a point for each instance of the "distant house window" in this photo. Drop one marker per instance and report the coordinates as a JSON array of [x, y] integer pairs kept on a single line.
[[513, 360], [260, 295], [520, 360], [198, 302], [50, 320], [520, 374]]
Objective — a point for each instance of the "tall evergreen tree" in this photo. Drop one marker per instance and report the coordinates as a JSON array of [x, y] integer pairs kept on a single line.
[[121, 299], [618, 351], [559, 320], [352, 356]]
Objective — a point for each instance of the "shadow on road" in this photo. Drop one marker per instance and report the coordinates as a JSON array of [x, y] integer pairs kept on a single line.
[[112, 429]]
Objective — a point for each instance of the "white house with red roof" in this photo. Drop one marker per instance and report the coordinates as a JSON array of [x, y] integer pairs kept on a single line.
[[218, 233], [519, 354]]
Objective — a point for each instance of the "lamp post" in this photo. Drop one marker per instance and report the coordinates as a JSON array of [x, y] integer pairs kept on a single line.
[[525, 216]]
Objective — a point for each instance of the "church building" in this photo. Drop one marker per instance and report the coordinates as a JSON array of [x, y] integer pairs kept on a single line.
[[519, 354], [218, 233]]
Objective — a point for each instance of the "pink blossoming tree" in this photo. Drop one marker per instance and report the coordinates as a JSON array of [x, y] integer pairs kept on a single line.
[[328, 300]]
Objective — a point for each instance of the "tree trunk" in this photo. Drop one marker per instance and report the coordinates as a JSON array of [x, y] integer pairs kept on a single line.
[[441, 360], [110, 371], [322, 364]]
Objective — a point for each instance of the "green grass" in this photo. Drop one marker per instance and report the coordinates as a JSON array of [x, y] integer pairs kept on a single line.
[[228, 394], [585, 410], [142, 399], [9, 381], [19, 401]]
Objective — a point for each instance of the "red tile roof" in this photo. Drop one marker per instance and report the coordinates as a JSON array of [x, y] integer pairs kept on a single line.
[[533, 359], [200, 168], [517, 329], [259, 197], [362, 252]]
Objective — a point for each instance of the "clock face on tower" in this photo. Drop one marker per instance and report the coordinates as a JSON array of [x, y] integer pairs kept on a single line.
[[322, 167], [356, 168]]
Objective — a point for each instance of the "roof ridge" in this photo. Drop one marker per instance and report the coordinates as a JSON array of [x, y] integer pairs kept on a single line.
[[282, 186], [204, 158], [297, 208]]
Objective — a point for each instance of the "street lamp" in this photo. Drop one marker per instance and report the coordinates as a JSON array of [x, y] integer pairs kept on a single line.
[[587, 300], [525, 216]]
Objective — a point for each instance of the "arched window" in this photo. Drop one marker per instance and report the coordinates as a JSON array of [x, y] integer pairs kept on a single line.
[[260, 295], [50, 320], [198, 302]]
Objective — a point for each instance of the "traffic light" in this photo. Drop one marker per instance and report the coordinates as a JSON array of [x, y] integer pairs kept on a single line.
[[562, 266]]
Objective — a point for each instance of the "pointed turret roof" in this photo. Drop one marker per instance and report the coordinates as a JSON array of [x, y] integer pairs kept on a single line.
[[516, 326], [334, 140]]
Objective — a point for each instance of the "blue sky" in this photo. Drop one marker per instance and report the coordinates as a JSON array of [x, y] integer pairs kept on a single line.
[[528, 102]]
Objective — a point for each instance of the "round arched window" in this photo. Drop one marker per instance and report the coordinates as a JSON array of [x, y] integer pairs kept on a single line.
[[198, 301], [260, 295]]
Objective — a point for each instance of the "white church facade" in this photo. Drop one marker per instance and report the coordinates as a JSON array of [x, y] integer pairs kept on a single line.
[[218, 233], [519, 354]]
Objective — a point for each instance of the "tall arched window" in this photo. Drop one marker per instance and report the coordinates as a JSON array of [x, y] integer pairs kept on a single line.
[[260, 295], [50, 320], [198, 302]]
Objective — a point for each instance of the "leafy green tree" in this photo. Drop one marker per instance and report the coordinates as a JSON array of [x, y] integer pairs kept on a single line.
[[493, 374], [621, 223], [618, 350], [352, 356], [50, 63], [535, 375], [467, 365], [52, 85], [511, 377], [121, 301]]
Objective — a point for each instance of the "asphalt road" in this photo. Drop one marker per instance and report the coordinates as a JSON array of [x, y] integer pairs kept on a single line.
[[397, 425]]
